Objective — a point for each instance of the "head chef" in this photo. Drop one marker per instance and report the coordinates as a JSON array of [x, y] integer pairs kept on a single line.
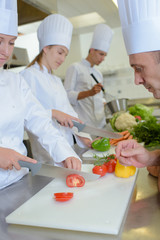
[[141, 32]]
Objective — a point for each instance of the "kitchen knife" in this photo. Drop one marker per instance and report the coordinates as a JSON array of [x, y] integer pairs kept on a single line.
[[56, 172], [95, 79], [95, 131]]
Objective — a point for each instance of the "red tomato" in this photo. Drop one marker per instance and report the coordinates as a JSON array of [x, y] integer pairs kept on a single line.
[[63, 196], [138, 117], [75, 180], [100, 170], [111, 165]]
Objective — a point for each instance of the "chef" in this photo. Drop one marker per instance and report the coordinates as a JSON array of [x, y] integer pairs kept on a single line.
[[19, 109], [54, 36], [85, 95], [141, 33]]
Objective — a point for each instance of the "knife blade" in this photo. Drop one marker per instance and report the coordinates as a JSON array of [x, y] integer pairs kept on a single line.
[[95, 131], [56, 172]]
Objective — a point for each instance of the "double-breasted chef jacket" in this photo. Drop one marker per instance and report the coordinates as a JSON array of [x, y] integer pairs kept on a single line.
[[50, 92], [78, 79], [19, 109]]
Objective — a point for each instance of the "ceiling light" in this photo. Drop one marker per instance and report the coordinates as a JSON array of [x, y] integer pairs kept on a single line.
[[86, 20]]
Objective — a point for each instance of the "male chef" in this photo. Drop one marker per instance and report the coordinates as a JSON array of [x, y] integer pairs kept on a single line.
[[85, 94], [140, 21]]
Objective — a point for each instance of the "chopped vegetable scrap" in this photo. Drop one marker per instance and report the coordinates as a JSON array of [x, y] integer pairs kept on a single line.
[[75, 180], [125, 135], [63, 196]]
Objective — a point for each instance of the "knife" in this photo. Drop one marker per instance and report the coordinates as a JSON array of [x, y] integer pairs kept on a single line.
[[56, 172], [95, 131]]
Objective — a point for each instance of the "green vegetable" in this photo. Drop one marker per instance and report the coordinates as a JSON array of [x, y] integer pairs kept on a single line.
[[101, 160], [143, 111], [101, 144], [147, 132]]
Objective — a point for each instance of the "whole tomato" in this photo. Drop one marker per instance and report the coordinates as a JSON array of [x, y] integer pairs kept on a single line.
[[100, 170], [111, 162]]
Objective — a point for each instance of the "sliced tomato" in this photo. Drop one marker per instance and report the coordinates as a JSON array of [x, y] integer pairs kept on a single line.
[[75, 180], [63, 196], [100, 170]]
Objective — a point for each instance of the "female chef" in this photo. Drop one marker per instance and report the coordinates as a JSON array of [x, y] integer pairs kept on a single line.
[[54, 35], [19, 109]]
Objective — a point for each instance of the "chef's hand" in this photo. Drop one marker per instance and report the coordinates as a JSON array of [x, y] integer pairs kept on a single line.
[[96, 89], [64, 119], [10, 158], [72, 163], [130, 153], [86, 141]]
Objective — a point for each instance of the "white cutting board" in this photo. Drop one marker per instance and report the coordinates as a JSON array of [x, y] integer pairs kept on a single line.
[[98, 207], [91, 152]]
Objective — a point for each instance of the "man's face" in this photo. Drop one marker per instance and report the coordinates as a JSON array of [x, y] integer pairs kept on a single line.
[[147, 71], [98, 56]]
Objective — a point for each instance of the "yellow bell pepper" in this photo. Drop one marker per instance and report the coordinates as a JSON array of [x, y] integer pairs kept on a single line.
[[123, 171]]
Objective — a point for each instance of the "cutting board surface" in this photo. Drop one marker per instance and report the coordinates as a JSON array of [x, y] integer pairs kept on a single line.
[[99, 206]]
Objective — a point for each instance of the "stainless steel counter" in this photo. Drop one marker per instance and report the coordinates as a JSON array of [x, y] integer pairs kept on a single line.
[[142, 220]]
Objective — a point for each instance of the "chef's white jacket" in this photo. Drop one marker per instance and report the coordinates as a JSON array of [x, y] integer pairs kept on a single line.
[[78, 79], [50, 92], [19, 109]]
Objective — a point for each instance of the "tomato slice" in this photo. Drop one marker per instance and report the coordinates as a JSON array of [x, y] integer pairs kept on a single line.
[[75, 180], [63, 196], [100, 170]]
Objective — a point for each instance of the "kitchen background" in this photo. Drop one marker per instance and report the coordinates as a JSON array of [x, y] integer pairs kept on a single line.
[[84, 14]]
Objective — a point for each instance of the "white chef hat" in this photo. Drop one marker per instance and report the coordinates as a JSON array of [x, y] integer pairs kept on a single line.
[[140, 20], [8, 17], [102, 37], [55, 30]]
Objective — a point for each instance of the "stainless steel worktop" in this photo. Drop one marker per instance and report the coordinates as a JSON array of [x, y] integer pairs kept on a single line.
[[141, 221]]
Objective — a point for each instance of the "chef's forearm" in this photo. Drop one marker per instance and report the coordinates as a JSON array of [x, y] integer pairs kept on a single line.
[[84, 94], [155, 158]]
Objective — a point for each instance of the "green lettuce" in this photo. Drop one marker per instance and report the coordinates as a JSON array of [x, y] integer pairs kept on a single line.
[[143, 111]]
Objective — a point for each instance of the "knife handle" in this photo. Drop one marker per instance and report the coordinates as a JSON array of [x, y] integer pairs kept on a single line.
[[34, 167], [80, 126], [96, 81]]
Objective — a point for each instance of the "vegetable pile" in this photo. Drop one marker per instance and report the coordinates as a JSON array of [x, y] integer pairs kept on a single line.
[[147, 132], [125, 135], [122, 121], [143, 111], [110, 164]]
